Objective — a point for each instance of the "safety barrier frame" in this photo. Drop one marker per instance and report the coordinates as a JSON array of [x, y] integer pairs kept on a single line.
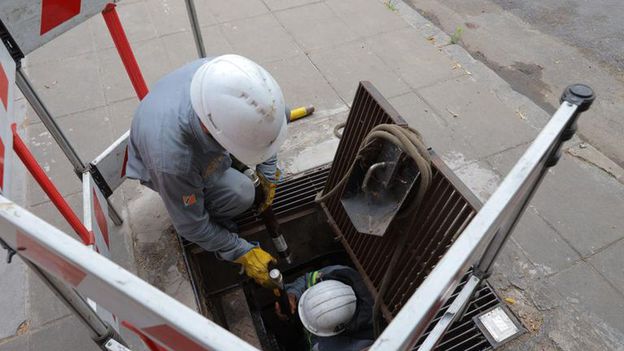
[[56, 18]]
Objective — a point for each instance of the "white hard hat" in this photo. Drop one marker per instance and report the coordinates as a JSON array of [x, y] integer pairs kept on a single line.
[[242, 107], [326, 307]]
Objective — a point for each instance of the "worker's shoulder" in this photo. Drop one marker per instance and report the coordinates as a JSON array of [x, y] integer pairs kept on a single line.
[[181, 76]]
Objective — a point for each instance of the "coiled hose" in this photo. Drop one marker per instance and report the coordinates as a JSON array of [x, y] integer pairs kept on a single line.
[[410, 142]]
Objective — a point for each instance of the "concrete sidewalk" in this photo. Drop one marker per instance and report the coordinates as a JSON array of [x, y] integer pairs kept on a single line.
[[562, 268]]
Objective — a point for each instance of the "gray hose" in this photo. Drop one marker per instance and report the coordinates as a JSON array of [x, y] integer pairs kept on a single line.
[[410, 142]]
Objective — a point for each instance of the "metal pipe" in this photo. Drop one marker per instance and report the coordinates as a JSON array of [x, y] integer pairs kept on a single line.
[[268, 216], [100, 331], [276, 277], [195, 28], [124, 49], [370, 171], [503, 208], [48, 187], [113, 214], [454, 311]]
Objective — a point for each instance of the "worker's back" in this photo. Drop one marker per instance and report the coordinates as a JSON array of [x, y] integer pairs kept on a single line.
[[166, 135]]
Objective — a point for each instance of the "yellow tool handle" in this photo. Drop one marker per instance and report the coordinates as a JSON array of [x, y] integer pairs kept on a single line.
[[301, 112]]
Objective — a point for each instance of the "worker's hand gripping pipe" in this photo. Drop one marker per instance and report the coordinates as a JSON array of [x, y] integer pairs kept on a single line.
[[269, 219], [276, 277]]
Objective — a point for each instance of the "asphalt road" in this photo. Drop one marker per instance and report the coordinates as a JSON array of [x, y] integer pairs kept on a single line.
[[594, 26], [539, 47]]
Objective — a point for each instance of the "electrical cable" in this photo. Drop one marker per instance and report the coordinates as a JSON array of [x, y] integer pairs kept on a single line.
[[410, 142]]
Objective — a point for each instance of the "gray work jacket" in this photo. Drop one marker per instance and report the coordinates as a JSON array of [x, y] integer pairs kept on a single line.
[[169, 152]]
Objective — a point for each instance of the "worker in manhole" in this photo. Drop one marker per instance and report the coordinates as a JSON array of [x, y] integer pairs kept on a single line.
[[335, 308], [181, 141]]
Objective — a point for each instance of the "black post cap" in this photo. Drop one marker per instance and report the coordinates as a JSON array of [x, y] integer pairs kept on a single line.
[[579, 94]]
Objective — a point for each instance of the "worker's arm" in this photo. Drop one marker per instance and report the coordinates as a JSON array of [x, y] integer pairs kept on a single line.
[[184, 200], [299, 285], [268, 169]]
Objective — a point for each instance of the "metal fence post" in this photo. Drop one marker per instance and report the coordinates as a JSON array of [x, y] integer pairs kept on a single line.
[[113, 23], [197, 35], [100, 331]]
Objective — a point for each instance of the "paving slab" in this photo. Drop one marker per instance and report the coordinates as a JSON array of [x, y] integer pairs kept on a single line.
[[225, 11], [261, 38], [65, 334], [181, 49], [366, 18], [153, 61], [134, 17], [413, 58], [311, 142], [68, 86], [542, 244], [90, 133], [436, 132], [43, 306], [276, 5], [474, 111], [590, 293], [315, 26], [610, 264], [303, 84], [49, 213], [479, 178], [345, 66], [14, 291], [120, 114], [16, 343], [170, 17], [583, 204]]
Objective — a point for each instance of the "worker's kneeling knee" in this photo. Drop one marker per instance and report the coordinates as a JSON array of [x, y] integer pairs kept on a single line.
[[245, 195]]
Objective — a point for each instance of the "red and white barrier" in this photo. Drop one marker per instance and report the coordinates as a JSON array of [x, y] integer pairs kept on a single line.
[[7, 91], [96, 221], [33, 23], [109, 168], [165, 320]]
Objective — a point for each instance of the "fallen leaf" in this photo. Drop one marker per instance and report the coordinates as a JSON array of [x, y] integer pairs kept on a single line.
[[510, 300]]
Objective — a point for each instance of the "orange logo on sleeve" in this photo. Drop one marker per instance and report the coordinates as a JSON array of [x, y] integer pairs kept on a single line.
[[189, 200]]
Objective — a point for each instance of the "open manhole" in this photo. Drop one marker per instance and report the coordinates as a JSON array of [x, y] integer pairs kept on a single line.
[[313, 244], [325, 235]]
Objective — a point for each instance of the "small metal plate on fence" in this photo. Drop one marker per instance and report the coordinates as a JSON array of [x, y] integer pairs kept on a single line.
[[377, 187]]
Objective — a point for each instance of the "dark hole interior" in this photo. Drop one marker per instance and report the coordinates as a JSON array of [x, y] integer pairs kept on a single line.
[[313, 246]]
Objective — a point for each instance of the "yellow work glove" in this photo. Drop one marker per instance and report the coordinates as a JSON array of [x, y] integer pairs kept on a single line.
[[256, 264], [268, 189]]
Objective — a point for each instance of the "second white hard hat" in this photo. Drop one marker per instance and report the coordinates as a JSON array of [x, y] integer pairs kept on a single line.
[[325, 308], [242, 107]]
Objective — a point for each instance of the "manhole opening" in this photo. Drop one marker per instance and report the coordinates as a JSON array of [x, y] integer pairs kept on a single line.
[[313, 246]]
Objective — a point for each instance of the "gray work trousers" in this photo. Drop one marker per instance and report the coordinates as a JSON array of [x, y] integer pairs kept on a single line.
[[228, 196]]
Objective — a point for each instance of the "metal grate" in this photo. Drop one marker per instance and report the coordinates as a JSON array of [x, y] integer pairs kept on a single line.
[[292, 196], [447, 208], [464, 335]]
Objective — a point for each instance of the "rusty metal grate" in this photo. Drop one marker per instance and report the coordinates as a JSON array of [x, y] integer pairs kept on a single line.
[[447, 208], [292, 196], [464, 335]]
